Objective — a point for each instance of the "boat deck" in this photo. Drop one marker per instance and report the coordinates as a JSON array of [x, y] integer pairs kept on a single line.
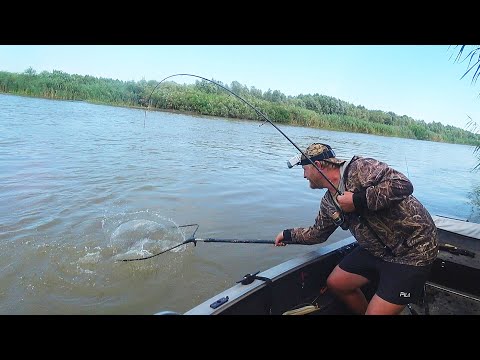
[[444, 301], [440, 298]]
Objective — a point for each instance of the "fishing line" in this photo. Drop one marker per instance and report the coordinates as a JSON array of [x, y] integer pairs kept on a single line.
[[407, 165], [258, 112], [192, 238]]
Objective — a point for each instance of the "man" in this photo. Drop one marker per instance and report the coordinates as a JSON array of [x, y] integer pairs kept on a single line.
[[396, 235]]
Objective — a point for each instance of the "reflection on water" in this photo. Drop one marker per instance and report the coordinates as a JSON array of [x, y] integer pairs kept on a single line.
[[83, 186]]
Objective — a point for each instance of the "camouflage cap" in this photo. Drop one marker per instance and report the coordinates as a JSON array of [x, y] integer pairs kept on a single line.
[[316, 152]]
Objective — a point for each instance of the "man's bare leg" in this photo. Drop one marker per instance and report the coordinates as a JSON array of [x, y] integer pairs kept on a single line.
[[378, 306], [346, 286]]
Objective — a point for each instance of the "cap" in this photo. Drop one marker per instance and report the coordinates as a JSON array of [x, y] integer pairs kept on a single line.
[[315, 152]]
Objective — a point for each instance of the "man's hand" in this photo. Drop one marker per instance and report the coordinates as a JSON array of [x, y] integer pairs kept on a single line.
[[346, 201], [279, 239]]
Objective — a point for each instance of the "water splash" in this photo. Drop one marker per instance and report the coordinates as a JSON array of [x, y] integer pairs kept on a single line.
[[141, 234]]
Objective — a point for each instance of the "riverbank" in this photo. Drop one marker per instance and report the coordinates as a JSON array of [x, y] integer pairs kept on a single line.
[[226, 106]]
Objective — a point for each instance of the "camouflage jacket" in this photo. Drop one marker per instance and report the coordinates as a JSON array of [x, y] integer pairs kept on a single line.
[[388, 221]]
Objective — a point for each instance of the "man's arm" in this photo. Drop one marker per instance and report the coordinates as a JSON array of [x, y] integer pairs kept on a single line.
[[382, 186]]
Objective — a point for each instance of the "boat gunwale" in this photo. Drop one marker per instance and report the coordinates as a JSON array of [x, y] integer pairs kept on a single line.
[[239, 291]]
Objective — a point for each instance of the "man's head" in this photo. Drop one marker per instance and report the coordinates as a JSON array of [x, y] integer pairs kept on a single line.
[[316, 152], [324, 159]]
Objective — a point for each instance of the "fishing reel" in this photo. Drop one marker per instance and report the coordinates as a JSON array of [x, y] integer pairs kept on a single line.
[[338, 218]]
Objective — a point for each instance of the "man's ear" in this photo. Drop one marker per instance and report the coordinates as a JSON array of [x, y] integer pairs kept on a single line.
[[319, 164]]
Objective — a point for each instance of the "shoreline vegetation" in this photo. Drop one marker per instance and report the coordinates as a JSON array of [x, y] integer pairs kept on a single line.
[[205, 98]]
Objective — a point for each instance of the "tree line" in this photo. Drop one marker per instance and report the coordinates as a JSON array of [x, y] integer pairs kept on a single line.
[[205, 98]]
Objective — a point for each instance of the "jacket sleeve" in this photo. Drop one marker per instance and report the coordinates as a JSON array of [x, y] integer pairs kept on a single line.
[[318, 232], [380, 185]]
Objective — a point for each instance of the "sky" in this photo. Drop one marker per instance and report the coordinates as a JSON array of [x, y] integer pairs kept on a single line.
[[420, 81]]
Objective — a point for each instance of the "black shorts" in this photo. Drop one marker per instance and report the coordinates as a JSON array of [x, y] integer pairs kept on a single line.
[[397, 283]]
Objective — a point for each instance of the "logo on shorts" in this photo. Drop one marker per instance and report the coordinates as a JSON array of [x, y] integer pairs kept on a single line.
[[404, 294]]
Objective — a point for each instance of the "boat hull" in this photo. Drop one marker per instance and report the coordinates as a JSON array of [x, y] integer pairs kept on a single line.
[[298, 286]]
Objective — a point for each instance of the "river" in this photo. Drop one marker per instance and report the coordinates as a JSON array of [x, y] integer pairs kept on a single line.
[[84, 186]]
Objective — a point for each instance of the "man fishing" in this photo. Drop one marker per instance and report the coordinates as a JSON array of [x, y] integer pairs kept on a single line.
[[396, 235]]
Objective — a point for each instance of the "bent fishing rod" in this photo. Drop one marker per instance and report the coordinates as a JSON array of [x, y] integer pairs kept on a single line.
[[259, 113], [194, 240]]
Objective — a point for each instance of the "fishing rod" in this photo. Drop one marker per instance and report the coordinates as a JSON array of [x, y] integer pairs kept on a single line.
[[259, 113]]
